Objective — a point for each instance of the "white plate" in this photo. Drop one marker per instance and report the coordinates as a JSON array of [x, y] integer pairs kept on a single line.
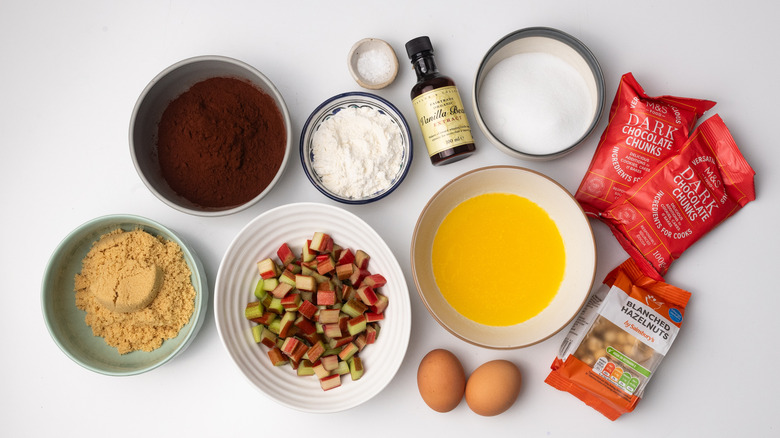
[[236, 280]]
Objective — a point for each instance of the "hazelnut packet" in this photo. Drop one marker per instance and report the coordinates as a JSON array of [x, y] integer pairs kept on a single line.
[[618, 340], [682, 198], [642, 132]]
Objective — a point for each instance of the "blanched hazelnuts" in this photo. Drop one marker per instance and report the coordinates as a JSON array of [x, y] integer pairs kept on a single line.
[[604, 334]]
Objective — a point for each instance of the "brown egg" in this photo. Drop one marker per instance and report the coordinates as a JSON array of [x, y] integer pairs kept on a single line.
[[441, 380], [493, 387]]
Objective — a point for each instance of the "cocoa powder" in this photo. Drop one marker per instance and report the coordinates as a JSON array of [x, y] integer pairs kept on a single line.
[[221, 142]]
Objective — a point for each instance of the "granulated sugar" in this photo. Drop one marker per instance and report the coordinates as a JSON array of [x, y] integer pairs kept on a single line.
[[357, 152], [536, 103]]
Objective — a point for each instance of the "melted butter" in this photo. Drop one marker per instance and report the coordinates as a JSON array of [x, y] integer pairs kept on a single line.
[[498, 259]]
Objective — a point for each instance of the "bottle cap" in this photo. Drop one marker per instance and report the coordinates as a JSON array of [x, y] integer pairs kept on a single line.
[[417, 45]]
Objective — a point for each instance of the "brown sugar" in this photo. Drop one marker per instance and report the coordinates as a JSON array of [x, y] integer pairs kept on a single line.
[[129, 289], [136, 290]]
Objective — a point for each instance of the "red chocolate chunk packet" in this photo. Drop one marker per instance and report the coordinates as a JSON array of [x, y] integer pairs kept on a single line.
[[642, 132], [682, 198]]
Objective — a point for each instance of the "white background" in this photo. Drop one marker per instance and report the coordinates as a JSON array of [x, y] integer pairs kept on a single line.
[[70, 73]]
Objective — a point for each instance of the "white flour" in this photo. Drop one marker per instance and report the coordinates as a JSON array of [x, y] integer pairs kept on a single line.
[[357, 152], [536, 102]]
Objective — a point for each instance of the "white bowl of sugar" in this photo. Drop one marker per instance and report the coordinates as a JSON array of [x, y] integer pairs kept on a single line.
[[538, 93]]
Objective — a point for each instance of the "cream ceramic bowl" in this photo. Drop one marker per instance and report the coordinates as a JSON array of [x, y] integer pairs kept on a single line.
[[578, 241]]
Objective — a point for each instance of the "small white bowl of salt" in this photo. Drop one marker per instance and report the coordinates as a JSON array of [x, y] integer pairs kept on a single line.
[[538, 93], [372, 63]]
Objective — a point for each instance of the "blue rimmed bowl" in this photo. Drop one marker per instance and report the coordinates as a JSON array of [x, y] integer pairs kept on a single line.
[[329, 109]]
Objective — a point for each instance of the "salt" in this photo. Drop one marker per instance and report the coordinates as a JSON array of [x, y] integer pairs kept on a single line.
[[536, 102], [374, 66], [357, 152]]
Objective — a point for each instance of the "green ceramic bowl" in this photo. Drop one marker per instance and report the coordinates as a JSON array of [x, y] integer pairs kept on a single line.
[[66, 322]]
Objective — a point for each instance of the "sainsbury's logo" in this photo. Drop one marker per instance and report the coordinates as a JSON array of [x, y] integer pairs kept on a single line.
[[653, 303]]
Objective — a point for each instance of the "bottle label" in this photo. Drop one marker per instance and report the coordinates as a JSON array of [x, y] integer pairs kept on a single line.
[[442, 119]]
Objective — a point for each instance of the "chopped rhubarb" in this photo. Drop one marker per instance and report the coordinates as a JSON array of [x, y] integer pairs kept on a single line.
[[289, 345], [260, 293], [319, 370], [361, 259], [330, 382], [305, 368], [367, 295], [371, 334], [375, 281], [304, 325], [343, 272], [291, 302], [305, 283], [357, 276], [355, 368], [356, 325], [354, 308], [299, 352], [374, 317], [267, 268], [346, 257], [342, 369], [315, 351], [254, 310], [325, 264], [339, 342], [360, 341], [318, 310], [266, 319], [285, 254], [294, 267], [330, 362], [348, 351], [331, 331], [270, 284], [326, 297], [329, 316], [256, 332], [347, 293], [288, 277], [277, 357], [286, 324], [307, 254], [380, 305], [319, 242], [275, 306], [281, 290], [307, 309], [267, 337]]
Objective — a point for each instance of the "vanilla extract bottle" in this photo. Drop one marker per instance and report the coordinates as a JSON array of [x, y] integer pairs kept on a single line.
[[438, 107]]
